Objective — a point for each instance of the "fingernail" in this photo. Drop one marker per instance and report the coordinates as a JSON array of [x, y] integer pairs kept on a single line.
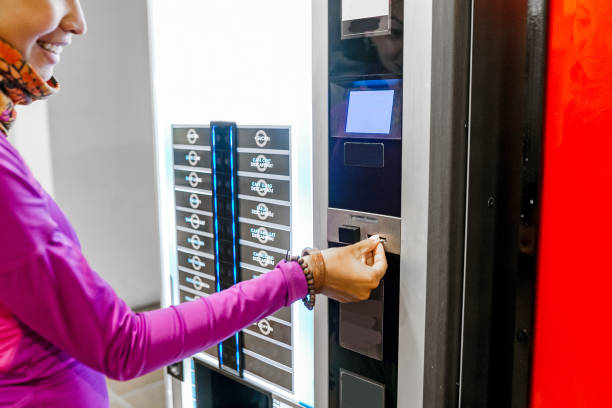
[[375, 237]]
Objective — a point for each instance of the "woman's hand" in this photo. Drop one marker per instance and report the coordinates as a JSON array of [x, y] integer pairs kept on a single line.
[[350, 273]]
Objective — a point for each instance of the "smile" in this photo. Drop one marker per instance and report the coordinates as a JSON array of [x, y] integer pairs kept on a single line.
[[52, 48]]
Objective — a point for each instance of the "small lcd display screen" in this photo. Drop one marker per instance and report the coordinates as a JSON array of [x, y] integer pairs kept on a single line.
[[370, 112]]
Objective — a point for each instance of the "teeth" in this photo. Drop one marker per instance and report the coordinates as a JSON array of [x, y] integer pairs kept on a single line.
[[55, 49]]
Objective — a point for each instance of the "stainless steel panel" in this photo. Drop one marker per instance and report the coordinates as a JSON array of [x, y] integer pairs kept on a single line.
[[389, 228], [320, 188], [418, 22]]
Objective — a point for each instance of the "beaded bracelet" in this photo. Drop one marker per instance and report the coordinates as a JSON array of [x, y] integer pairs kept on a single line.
[[310, 299]]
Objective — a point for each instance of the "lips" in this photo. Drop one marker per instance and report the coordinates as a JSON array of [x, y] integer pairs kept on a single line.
[[54, 48]]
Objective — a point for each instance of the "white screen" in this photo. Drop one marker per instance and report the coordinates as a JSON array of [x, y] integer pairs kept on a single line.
[[356, 9], [370, 112]]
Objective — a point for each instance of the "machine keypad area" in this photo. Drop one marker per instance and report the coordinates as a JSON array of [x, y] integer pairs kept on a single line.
[[232, 190]]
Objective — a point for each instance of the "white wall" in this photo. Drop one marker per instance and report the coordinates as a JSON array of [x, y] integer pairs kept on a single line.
[[101, 127], [30, 136]]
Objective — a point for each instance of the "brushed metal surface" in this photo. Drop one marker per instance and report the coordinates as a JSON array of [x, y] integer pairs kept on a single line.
[[418, 23], [320, 188], [389, 228]]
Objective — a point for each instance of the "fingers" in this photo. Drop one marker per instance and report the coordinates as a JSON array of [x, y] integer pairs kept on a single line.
[[380, 260], [367, 245]]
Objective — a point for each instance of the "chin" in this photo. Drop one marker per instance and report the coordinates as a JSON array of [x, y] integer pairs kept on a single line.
[[45, 73]]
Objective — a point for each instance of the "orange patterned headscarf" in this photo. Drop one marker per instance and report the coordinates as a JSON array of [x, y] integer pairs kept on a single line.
[[19, 85]]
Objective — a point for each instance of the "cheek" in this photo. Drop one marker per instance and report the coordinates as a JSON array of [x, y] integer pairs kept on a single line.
[[33, 24]]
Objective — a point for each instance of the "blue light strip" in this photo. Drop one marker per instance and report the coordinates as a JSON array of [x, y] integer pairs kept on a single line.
[[214, 177], [217, 265], [234, 249]]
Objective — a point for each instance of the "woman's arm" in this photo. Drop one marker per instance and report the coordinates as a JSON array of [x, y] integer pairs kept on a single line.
[[46, 282]]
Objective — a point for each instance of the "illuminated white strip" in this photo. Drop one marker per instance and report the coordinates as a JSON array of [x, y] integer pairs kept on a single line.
[[193, 291], [254, 268], [192, 231], [263, 224], [192, 147], [263, 176], [197, 253], [208, 359], [191, 210], [267, 361], [196, 169], [264, 200], [193, 190], [257, 150], [277, 320], [264, 247]]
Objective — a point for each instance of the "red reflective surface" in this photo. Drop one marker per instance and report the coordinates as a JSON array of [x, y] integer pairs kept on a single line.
[[573, 332]]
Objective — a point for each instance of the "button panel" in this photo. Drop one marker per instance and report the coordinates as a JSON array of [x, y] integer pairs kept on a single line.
[[197, 221], [261, 258], [264, 211], [195, 200], [264, 163], [265, 235], [195, 178], [192, 136], [192, 158], [232, 190], [264, 138], [262, 187]]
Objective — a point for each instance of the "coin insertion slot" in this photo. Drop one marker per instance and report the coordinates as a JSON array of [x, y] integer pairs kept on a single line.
[[382, 237], [363, 218]]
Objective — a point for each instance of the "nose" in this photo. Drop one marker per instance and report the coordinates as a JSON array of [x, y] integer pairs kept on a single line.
[[74, 20]]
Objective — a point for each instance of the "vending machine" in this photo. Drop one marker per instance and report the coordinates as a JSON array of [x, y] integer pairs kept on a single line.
[[282, 125]]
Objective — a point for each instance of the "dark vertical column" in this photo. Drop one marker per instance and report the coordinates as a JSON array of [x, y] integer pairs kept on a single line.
[[225, 215]]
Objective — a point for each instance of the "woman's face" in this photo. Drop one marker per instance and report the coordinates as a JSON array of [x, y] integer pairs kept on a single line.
[[40, 29], [593, 37]]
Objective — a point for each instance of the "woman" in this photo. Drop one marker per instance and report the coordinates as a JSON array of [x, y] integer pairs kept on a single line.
[[62, 328]]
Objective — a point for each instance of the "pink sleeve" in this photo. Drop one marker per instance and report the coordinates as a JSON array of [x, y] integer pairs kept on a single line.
[[46, 282]]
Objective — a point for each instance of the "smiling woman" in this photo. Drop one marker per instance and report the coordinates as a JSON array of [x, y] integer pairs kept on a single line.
[[40, 30]]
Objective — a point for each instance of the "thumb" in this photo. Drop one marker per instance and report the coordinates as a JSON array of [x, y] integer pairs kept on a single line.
[[368, 245]]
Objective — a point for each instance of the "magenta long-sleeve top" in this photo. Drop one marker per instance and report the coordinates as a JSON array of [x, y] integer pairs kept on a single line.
[[63, 328]]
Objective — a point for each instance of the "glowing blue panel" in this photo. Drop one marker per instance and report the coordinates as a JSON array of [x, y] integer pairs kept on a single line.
[[370, 112]]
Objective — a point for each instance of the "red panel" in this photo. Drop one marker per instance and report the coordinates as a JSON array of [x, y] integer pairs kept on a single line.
[[573, 338]]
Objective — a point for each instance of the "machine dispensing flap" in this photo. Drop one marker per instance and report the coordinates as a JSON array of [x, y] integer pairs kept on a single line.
[[365, 17], [359, 392]]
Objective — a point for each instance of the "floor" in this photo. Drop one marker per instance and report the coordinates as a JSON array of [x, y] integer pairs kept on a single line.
[[143, 392]]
